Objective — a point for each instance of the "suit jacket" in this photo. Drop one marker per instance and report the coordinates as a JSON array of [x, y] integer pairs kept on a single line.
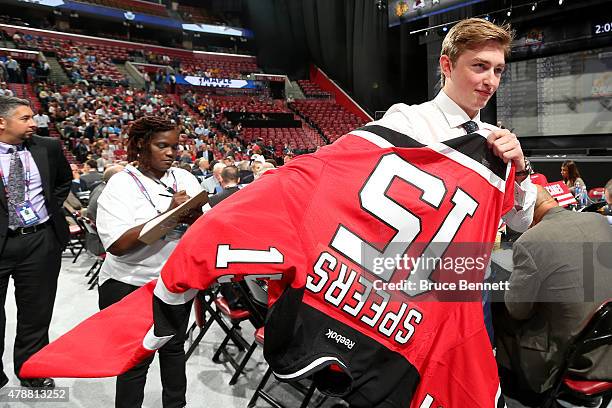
[[217, 198], [91, 179], [208, 155], [246, 176], [560, 277], [201, 175], [56, 179]]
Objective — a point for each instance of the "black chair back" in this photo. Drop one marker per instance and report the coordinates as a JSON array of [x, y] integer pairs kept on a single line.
[[597, 332]]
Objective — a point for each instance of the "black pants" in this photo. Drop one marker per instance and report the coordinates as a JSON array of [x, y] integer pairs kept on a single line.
[[34, 262], [129, 391], [42, 131]]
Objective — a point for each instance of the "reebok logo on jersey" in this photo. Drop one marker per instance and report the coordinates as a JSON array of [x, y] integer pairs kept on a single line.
[[340, 339]]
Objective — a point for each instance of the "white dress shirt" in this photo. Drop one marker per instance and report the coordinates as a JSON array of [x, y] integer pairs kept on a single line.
[[122, 206], [34, 192], [440, 120]]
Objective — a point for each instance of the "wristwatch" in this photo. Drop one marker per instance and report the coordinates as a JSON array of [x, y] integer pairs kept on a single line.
[[525, 172]]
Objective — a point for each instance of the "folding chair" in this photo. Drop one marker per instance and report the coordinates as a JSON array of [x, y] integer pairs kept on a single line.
[[94, 246], [256, 316], [203, 306], [77, 233], [596, 333]]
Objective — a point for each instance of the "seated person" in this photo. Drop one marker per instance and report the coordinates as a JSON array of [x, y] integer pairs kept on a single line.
[[548, 302], [607, 209]]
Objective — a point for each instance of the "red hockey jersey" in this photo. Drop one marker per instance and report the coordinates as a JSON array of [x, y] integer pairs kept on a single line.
[[339, 235]]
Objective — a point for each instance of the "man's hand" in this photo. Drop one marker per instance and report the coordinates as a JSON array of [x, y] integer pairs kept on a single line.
[[506, 146]]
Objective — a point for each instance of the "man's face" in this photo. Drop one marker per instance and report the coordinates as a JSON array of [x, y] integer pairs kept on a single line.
[[18, 125], [256, 167], [474, 77], [608, 197], [217, 174]]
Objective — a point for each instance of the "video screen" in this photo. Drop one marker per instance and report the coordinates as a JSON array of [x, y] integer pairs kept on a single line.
[[567, 94]]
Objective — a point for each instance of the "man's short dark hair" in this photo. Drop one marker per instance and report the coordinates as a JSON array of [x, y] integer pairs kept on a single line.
[[230, 174], [92, 164], [9, 103]]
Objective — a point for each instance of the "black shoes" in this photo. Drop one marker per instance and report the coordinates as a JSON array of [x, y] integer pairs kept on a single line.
[[38, 383]]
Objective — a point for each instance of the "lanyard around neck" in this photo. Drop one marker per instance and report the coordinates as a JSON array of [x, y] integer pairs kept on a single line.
[[144, 191], [170, 190]]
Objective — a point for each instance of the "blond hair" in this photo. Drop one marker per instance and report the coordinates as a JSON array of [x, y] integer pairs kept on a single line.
[[472, 33]]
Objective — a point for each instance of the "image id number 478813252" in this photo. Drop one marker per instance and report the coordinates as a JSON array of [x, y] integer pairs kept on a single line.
[[20, 394]]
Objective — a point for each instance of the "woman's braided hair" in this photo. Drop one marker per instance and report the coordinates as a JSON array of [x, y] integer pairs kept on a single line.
[[143, 130]]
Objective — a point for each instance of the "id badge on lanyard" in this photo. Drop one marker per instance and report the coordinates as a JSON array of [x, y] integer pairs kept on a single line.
[[26, 213]]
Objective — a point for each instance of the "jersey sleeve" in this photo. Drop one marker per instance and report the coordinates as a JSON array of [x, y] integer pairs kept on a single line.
[[463, 376], [255, 232]]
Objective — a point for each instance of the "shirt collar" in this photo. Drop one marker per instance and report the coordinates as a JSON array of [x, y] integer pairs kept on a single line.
[[4, 147], [455, 116]]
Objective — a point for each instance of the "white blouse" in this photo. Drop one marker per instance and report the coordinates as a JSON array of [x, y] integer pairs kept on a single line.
[[123, 205]]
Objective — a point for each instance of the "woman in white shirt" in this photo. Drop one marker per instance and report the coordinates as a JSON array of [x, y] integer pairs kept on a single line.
[[130, 199]]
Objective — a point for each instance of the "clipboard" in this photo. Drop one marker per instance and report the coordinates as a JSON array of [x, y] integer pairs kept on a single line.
[[163, 223]]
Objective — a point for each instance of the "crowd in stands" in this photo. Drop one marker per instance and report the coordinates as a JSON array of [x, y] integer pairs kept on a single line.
[[93, 123], [12, 71], [91, 61]]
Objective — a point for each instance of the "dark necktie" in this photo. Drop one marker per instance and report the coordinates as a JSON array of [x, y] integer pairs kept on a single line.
[[15, 187], [470, 126]]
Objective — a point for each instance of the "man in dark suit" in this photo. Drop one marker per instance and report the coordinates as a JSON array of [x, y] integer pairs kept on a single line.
[[229, 181], [561, 275], [33, 231], [205, 152], [201, 169], [91, 176]]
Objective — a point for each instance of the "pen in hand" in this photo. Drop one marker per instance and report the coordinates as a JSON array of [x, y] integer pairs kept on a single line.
[[165, 195]]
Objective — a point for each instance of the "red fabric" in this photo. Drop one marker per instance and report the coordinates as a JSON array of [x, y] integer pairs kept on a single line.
[[87, 351], [539, 178]]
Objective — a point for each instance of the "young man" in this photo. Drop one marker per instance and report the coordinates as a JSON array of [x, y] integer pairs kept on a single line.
[[472, 61]]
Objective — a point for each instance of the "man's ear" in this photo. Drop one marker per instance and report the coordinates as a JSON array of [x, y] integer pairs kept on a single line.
[[446, 65], [2, 124]]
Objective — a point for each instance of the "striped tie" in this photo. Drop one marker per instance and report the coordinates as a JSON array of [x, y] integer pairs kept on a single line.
[[15, 187]]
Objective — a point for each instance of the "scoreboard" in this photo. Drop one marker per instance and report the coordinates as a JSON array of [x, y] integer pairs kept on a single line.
[[566, 94]]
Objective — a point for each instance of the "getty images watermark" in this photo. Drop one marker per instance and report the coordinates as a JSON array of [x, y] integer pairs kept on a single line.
[[464, 271]]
